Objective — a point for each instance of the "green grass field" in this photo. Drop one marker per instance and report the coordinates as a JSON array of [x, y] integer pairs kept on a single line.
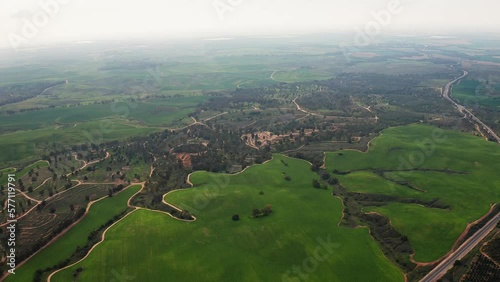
[[423, 147], [22, 132], [472, 92], [250, 249], [99, 214], [153, 112], [22, 144]]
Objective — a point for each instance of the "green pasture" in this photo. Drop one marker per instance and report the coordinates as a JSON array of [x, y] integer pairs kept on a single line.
[[60, 250], [472, 93], [23, 144], [463, 174], [251, 249]]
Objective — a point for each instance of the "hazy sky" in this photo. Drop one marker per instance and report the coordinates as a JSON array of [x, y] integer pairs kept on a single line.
[[26, 22]]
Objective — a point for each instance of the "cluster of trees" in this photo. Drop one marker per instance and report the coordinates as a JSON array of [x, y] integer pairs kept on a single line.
[[267, 210], [115, 190], [14, 93]]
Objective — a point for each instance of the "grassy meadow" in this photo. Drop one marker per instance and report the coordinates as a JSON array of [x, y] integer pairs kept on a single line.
[[60, 250], [251, 249], [458, 169], [472, 93]]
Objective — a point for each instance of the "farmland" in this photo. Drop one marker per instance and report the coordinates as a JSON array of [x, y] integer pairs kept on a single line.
[[253, 248], [473, 92], [289, 142], [99, 214], [425, 163]]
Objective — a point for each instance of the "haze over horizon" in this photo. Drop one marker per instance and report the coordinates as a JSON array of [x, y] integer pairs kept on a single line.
[[30, 22]]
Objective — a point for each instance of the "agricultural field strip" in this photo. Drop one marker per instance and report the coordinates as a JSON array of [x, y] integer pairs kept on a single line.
[[75, 223], [86, 212], [135, 209], [61, 192], [103, 236]]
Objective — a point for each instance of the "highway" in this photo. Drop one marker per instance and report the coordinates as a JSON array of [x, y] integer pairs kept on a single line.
[[463, 110], [464, 249]]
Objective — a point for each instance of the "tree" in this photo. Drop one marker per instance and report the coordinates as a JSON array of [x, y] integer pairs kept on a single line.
[[256, 212], [316, 184], [333, 181], [267, 210], [185, 215], [236, 217], [325, 175]]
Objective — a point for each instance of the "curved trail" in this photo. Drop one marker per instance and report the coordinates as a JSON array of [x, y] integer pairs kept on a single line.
[[53, 240], [136, 208], [195, 122], [274, 72], [104, 233], [300, 109], [59, 193]]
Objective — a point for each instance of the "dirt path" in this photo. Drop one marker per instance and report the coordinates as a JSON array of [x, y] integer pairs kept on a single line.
[[45, 181], [274, 72], [85, 164], [299, 108], [106, 230], [195, 122], [59, 193], [175, 207], [89, 205], [216, 116], [294, 150]]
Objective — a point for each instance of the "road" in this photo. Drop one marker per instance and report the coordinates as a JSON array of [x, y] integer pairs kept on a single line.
[[271, 77], [300, 109], [464, 249], [463, 110]]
